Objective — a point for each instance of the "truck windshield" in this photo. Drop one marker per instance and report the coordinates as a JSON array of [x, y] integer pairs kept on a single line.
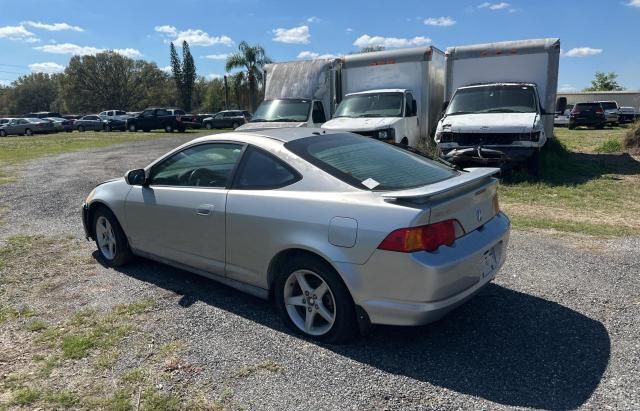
[[371, 105], [494, 99], [293, 110]]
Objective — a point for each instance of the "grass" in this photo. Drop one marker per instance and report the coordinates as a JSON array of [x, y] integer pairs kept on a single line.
[[268, 365], [26, 396], [591, 189]]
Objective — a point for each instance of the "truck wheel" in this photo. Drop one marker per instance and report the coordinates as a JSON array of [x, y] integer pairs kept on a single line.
[[132, 128], [572, 126], [208, 126], [404, 142], [235, 125], [28, 132], [168, 128]]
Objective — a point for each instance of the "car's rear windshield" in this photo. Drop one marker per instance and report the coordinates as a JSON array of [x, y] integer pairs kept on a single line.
[[609, 105], [589, 106], [369, 164]]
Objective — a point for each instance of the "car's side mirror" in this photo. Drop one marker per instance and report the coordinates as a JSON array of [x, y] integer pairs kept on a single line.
[[136, 177]]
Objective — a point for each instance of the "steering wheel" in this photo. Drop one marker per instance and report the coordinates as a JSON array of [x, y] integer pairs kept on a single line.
[[203, 177]]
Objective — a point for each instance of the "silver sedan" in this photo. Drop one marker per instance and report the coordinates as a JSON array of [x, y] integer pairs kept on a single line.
[[342, 230]]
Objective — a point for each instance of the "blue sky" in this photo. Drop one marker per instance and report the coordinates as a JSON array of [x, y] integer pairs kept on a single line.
[[42, 35]]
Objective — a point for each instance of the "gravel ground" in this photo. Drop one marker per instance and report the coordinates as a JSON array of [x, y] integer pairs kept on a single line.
[[558, 329]]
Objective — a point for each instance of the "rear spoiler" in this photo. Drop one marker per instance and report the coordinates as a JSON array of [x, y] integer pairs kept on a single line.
[[468, 176]]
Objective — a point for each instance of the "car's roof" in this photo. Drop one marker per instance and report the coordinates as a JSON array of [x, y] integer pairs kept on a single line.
[[280, 134], [510, 84], [381, 90]]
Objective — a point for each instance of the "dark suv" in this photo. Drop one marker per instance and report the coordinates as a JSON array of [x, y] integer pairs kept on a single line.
[[587, 114], [227, 119]]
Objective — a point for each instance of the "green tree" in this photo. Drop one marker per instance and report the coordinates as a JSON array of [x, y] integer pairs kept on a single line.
[[605, 82], [184, 74], [110, 81], [33, 92], [252, 60]]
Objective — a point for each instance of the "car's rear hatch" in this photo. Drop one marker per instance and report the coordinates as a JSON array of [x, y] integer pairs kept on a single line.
[[469, 198]]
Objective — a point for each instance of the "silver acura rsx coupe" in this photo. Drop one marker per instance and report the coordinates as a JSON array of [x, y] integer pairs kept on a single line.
[[342, 231]]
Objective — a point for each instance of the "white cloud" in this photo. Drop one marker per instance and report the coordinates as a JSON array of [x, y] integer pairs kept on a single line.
[[212, 76], [295, 35], [348, 29], [314, 19], [313, 55], [5, 83], [215, 56], [195, 37], [52, 27], [46, 67], [440, 21], [166, 29], [634, 3], [128, 52], [74, 49], [166, 69], [389, 42], [201, 38], [581, 52], [494, 6], [17, 33]]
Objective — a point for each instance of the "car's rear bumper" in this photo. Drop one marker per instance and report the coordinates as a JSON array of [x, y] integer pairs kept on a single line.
[[587, 121], [419, 288]]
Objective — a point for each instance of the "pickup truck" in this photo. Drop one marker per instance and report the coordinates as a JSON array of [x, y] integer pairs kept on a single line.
[[154, 118]]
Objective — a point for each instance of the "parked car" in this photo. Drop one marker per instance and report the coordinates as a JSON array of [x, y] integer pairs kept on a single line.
[[72, 116], [587, 114], [611, 112], [42, 114], [627, 115], [189, 120], [4, 121], [562, 118], [343, 230], [113, 114], [61, 124], [114, 120], [156, 118], [91, 122], [26, 126], [227, 119]]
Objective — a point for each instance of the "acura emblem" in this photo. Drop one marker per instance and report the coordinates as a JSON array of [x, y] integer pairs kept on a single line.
[[478, 214]]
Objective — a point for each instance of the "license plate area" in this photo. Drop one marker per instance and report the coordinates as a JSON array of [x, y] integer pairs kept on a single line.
[[488, 264]]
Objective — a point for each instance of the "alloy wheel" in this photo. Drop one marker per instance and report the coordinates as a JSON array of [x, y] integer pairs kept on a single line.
[[106, 238], [309, 302]]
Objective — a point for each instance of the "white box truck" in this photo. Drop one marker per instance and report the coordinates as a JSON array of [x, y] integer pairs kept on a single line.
[[500, 102], [395, 96], [297, 94]]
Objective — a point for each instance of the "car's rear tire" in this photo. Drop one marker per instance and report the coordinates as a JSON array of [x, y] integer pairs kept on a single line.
[[168, 128], [208, 126], [110, 238], [599, 126], [81, 129], [132, 128], [235, 125], [313, 301], [28, 132]]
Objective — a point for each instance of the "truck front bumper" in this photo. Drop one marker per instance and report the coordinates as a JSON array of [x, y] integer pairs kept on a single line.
[[489, 155]]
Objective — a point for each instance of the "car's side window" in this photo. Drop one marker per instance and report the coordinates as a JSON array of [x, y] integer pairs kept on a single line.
[[162, 112], [218, 116], [203, 165], [260, 170], [147, 113]]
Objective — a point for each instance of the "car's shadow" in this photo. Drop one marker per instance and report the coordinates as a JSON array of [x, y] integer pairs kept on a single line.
[[505, 346]]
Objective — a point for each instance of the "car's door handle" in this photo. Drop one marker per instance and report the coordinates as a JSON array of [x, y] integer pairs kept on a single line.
[[204, 209]]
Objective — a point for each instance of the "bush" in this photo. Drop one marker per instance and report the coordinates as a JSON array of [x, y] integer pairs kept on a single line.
[[632, 139], [610, 146]]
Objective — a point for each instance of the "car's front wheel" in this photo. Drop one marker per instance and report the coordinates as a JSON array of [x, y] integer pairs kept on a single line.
[[314, 301], [168, 128], [235, 125], [132, 128], [110, 239], [3, 133], [208, 126], [28, 132]]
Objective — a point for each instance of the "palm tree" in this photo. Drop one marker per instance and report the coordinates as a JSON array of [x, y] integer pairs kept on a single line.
[[252, 59]]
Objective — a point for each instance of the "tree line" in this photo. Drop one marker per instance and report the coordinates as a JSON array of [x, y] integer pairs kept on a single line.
[[108, 80]]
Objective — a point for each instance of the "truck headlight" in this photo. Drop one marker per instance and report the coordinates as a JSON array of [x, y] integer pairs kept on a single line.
[[386, 134]]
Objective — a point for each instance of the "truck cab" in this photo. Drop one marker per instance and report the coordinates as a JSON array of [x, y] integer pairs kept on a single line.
[[494, 122], [287, 112], [388, 114]]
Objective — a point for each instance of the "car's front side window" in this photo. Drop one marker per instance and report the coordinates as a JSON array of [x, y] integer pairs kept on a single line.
[[262, 171], [203, 165]]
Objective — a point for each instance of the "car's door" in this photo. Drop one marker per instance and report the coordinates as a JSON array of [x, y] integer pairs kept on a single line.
[[180, 214], [217, 121], [257, 209], [12, 127], [144, 120]]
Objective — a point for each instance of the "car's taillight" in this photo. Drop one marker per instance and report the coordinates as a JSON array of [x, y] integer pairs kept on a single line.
[[421, 238]]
